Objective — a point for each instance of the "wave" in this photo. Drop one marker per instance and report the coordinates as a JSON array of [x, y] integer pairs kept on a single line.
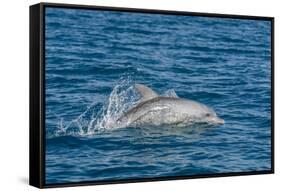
[[100, 117]]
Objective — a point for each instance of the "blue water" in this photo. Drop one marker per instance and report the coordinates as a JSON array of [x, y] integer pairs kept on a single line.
[[93, 58]]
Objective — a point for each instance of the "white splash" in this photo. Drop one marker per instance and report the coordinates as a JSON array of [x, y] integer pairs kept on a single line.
[[120, 100], [170, 93], [104, 115]]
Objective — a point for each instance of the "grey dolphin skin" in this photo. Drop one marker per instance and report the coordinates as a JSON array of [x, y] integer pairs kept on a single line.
[[155, 110]]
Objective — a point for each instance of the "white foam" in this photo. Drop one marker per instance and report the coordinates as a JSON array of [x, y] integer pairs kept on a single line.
[[122, 97]]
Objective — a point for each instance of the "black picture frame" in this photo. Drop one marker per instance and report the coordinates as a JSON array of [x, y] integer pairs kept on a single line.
[[37, 93]]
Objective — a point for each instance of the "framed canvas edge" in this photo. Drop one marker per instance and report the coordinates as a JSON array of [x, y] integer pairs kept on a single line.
[[40, 92], [35, 97]]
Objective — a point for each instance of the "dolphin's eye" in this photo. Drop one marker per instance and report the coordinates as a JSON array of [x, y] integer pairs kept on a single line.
[[208, 114]]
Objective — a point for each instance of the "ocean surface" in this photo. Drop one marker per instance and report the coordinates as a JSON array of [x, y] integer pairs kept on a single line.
[[93, 59]]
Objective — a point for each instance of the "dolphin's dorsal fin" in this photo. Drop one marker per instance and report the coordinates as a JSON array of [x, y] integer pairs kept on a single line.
[[145, 92]]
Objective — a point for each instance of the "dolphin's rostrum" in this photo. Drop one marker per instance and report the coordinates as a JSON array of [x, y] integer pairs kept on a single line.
[[155, 110]]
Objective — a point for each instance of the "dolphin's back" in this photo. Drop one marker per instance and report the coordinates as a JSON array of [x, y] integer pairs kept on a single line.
[[159, 110]]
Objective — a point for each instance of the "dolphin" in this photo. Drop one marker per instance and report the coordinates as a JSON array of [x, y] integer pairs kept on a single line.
[[155, 110]]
